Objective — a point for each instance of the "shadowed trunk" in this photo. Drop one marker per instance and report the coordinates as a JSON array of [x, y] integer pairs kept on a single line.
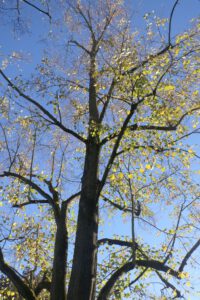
[[58, 286], [83, 277]]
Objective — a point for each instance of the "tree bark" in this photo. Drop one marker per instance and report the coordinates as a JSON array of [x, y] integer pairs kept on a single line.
[[21, 287], [58, 285], [83, 276]]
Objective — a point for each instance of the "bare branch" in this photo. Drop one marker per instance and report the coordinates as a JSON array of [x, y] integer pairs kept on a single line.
[[138, 277], [80, 46], [102, 114], [115, 242], [30, 202], [188, 255], [71, 198], [37, 8], [169, 285], [170, 22], [41, 108]]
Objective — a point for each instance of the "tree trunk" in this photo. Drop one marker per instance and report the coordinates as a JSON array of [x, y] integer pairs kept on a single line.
[[58, 285], [83, 276]]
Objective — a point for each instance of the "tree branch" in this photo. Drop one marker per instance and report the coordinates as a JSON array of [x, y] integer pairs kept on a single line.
[[41, 108], [153, 264], [118, 206], [30, 183], [33, 185], [30, 202], [188, 255], [116, 145], [170, 22], [37, 8], [169, 285], [80, 46], [44, 284], [71, 198], [102, 114], [163, 128], [115, 242], [21, 287]]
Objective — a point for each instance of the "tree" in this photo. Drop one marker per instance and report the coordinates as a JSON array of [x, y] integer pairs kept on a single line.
[[99, 129]]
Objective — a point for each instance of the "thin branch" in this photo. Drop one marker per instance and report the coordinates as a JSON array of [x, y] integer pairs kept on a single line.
[[29, 183], [16, 205], [170, 22], [80, 46], [37, 8], [6, 142], [188, 255], [116, 145], [163, 128], [41, 108], [116, 205], [102, 114], [138, 277], [71, 198], [115, 242], [173, 240], [87, 22], [169, 285]]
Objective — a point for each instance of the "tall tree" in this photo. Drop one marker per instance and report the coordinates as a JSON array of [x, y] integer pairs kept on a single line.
[[99, 131]]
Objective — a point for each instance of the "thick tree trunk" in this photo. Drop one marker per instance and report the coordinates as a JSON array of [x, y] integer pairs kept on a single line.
[[83, 277], [58, 285]]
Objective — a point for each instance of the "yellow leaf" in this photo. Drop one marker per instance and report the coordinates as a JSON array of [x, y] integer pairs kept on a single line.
[[141, 170], [169, 88], [195, 93], [188, 283], [121, 175], [130, 176], [183, 275], [112, 177], [148, 166], [164, 248]]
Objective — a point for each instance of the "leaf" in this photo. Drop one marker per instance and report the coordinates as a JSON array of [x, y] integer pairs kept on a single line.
[[148, 167], [121, 175], [188, 283], [169, 88], [130, 176]]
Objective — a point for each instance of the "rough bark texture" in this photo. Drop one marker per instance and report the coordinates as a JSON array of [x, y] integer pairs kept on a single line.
[[58, 290], [83, 277]]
